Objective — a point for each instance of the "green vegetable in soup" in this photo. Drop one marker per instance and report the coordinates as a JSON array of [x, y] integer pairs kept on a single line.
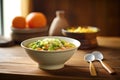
[[50, 44]]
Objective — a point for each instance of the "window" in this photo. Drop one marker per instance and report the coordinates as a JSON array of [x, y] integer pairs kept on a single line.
[[1, 17], [11, 9]]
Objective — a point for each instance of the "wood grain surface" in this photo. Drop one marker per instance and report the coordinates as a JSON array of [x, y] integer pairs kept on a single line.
[[15, 64]]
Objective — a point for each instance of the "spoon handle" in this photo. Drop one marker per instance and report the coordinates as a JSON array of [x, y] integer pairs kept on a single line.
[[107, 67], [92, 69]]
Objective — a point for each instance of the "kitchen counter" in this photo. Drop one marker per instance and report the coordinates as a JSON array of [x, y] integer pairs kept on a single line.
[[15, 64]]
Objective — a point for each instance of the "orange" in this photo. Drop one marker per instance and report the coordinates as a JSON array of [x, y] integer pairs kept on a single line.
[[19, 22], [36, 20]]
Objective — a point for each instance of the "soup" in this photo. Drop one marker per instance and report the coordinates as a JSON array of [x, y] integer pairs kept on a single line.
[[50, 44]]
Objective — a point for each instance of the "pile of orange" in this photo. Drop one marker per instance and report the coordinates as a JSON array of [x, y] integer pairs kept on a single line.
[[32, 20]]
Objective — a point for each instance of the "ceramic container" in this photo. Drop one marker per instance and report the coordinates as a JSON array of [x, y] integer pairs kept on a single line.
[[57, 24], [50, 60], [19, 35], [88, 40]]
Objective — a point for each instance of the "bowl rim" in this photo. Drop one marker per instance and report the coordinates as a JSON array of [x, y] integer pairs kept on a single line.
[[64, 30], [23, 46], [29, 30]]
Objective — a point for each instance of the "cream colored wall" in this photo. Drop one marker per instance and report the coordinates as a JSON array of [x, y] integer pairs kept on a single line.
[[26, 7]]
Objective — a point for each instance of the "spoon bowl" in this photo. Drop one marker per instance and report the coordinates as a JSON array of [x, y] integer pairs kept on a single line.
[[98, 55], [89, 57]]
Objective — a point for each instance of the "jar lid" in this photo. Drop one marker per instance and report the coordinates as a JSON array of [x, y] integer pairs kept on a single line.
[[60, 12]]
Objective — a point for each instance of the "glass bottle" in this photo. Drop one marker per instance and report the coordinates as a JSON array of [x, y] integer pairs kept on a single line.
[[58, 23]]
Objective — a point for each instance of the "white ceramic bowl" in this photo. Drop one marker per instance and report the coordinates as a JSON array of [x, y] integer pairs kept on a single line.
[[19, 35], [29, 30], [50, 60]]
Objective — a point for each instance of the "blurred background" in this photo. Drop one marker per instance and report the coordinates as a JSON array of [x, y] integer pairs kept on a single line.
[[104, 14]]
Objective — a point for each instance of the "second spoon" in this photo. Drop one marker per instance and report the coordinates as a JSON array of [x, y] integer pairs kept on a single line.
[[99, 56]]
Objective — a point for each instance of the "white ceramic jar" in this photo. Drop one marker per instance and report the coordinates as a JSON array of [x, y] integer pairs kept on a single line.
[[58, 23]]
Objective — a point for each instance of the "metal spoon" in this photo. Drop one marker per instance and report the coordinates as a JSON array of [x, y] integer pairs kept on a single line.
[[90, 58], [99, 56]]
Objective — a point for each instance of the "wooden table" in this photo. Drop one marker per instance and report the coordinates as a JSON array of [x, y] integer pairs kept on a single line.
[[15, 64]]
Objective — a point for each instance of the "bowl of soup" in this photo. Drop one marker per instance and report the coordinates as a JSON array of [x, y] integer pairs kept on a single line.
[[50, 52]]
